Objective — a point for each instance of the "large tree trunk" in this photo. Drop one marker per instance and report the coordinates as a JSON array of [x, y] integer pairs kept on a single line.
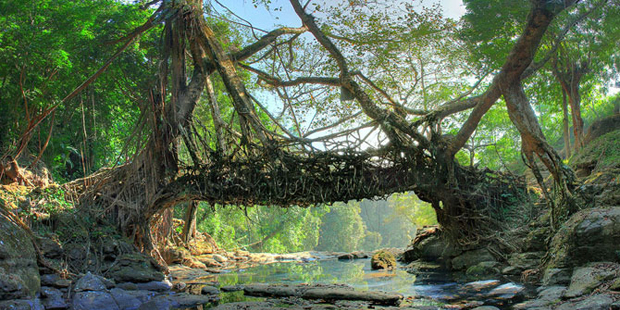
[[565, 126]]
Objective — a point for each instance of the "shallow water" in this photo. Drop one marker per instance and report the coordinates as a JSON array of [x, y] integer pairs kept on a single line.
[[432, 283]]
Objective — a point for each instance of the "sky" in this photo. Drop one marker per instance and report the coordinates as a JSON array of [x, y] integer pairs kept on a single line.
[[266, 20]]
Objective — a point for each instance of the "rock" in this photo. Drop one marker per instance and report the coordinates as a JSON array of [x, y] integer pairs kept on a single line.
[[242, 253], [54, 280], [202, 244], [93, 300], [486, 308], [483, 269], [383, 260], [17, 255], [12, 286], [589, 235], [53, 298], [586, 279], [254, 305], [552, 293], [528, 260], [50, 247], [193, 263], [179, 286], [172, 255], [615, 286], [264, 290], [159, 303], [480, 285], [536, 240], [506, 291], [344, 294], [209, 290], [471, 258], [546, 298], [232, 288], [156, 286], [556, 276], [89, 282], [21, 304], [128, 286], [219, 258], [601, 126], [209, 262], [130, 300], [512, 271], [430, 245], [353, 255], [189, 300], [135, 268], [595, 302]]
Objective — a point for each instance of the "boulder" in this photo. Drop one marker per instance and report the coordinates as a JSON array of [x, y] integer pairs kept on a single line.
[[172, 255], [527, 260], [209, 290], [220, 258], [132, 299], [383, 260], [50, 247], [156, 286], [594, 302], [589, 235], [586, 279], [556, 276], [345, 294], [506, 291], [353, 255], [471, 258], [547, 297], [89, 282], [93, 300], [53, 298], [430, 244], [137, 268], [602, 126], [21, 304], [483, 269], [54, 280], [17, 256]]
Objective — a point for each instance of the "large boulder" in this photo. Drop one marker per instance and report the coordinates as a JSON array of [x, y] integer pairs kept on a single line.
[[383, 259], [602, 126], [137, 268], [589, 235], [586, 279], [471, 258], [17, 257], [430, 244]]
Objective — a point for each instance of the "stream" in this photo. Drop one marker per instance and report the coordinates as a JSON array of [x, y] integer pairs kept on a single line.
[[429, 285]]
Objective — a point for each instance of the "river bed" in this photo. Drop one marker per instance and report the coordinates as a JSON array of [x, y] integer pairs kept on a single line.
[[430, 285]]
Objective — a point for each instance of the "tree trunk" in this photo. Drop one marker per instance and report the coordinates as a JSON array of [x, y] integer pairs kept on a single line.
[[189, 229], [574, 99], [565, 126]]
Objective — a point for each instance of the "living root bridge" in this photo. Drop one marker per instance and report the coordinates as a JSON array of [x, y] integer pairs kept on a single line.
[[479, 207], [284, 179]]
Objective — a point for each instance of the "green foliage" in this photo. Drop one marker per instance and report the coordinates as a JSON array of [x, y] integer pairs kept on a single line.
[[342, 229]]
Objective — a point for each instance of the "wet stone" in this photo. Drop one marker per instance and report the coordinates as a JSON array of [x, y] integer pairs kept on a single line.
[[209, 290], [157, 286], [93, 300], [52, 298], [90, 282]]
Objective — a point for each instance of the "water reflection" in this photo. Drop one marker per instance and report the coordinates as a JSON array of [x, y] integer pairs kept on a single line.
[[356, 273]]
